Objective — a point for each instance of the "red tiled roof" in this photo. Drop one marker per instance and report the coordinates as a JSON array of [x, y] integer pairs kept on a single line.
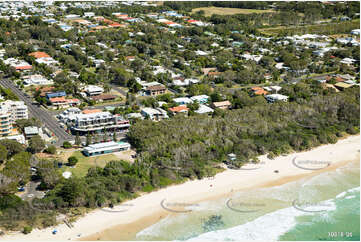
[[57, 99], [73, 100], [86, 111], [39, 54], [116, 25], [179, 109], [256, 88], [260, 92], [23, 67]]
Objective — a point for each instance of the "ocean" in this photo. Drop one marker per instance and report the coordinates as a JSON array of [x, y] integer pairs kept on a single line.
[[322, 207]]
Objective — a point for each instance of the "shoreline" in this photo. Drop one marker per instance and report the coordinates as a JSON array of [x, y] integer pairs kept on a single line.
[[147, 210], [128, 231]]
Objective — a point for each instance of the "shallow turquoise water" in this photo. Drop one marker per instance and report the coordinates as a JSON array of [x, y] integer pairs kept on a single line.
[[324, 207]]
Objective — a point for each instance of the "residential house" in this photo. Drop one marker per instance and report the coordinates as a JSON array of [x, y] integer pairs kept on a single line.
[[36, 80], [103, 97], [342, 85], [155, 114], [19, 65], [156, 90], [92, 90], [43, 58], [184, 82], [222, 105], [276, 97], [62, 102], [204, 109], [200, 99], [182, 100], [348, 61], [259, 91], [179, 109], [55, 94]]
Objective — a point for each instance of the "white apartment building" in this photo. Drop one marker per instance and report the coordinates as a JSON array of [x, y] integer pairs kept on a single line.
[[83, 124], [10, 111]]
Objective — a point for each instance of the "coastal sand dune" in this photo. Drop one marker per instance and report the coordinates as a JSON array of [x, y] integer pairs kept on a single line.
[[147, 209]]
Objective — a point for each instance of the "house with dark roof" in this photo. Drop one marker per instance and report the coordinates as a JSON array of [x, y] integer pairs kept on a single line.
[[155, 90]]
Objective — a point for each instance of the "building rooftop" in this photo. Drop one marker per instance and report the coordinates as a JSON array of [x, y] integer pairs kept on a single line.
[[178, 109], [106, 146], [31, 130], [223, 103], [87, 111], [39, 54]]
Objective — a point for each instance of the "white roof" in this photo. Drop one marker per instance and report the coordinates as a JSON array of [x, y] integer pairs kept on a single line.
[[277, 96], [276, 88], [66, 174], [161, 103], [204, 109], [93, 88], [200, 52], [182, 100], [151, 111], [134, 115], [199, 97], [31, 130], [106, 146], [279, 65], [255, 58], [90, 116]]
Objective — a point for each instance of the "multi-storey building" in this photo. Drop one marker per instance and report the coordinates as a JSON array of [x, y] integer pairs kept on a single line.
[[98, 122], [10, 111]]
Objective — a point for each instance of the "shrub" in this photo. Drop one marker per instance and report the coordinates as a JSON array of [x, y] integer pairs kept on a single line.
[[72, 160], [271, 155], [67, 145], [27, 229]]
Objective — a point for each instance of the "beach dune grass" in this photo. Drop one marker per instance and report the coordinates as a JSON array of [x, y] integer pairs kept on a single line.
[[209, 11], [84, 163]]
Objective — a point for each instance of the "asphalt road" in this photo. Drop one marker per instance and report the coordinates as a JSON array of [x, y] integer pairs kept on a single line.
[[41, 113]]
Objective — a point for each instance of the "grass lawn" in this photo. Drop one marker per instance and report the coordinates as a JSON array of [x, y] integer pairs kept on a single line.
[[84, 163], [229, 11], [120, 102], [312, 28]]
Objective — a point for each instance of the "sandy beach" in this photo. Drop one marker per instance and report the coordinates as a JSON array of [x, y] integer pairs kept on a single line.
[[147, 209]]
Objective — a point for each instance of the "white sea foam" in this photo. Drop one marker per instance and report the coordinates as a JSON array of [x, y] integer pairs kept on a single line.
[[342, 194], [265, 228], [262, 228], [354, 189], [155, 227]]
